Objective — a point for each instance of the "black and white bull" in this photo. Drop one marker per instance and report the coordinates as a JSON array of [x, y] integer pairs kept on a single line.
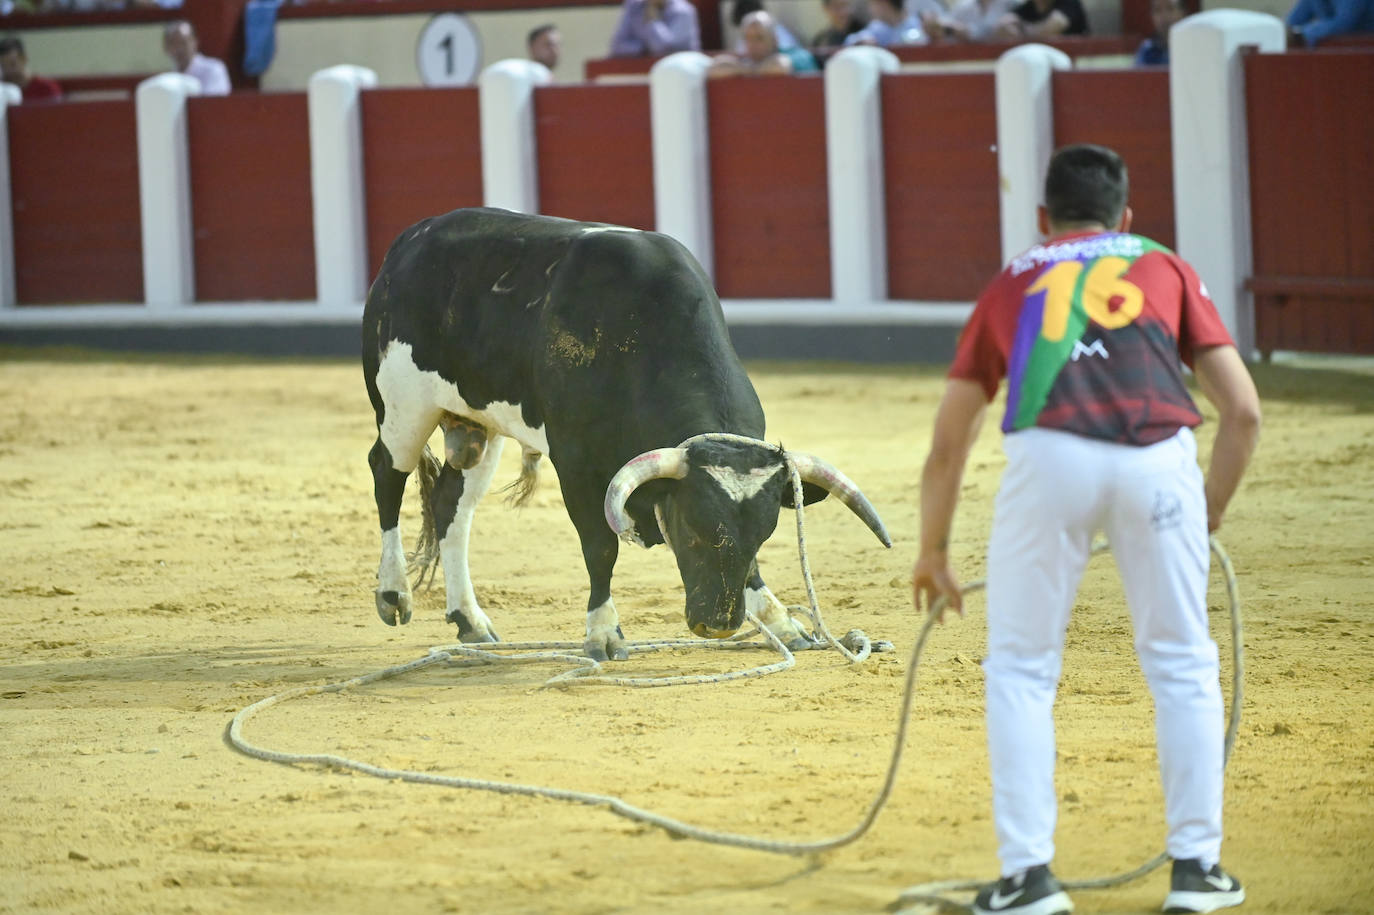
[[606, 349]]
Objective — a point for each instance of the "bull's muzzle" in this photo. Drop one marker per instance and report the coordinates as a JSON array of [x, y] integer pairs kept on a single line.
[[707, 632]]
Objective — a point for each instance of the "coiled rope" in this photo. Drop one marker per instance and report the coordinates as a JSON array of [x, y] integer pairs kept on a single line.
[[466, 655]]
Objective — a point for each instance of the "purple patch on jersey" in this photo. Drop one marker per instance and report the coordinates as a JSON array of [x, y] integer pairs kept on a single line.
[[1028, 327]]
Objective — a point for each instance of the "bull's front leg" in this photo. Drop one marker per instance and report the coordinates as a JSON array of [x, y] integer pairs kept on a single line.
[[771, 612], [600, 547], [604, 637]]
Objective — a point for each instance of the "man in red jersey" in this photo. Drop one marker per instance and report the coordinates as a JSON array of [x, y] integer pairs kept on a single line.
[[14, 68], [1089, 329]]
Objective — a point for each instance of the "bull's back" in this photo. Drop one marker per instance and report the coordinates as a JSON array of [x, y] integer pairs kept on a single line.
[[464, 292], [549, 313]]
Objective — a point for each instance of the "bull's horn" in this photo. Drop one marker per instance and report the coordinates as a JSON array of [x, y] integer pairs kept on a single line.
[[814, 470], [670, 463]]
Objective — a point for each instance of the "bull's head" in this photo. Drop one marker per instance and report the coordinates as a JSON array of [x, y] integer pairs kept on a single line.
[[722, 506]]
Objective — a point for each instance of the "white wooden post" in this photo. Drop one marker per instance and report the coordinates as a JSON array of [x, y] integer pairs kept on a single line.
[[337, 194], [510, 176], [1025, 138], [854, 155], [682, 157], [1211, 154], [164, 190], [10, 94]]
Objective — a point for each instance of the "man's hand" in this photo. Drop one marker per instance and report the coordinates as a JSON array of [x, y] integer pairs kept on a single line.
[[933, 578], [1227, 384]]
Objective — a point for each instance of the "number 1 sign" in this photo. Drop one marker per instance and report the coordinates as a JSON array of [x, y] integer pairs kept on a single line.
[[449, 52]]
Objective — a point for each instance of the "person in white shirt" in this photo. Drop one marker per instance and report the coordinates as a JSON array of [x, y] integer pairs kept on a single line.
[[180, 43], [968, 20]]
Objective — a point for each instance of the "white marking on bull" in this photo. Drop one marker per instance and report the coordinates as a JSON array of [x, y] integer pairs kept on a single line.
[[453, 549], [775, 617], [591, 229], [497, 287], [741, 486], [414, 400], [603, 630], [391, 572]]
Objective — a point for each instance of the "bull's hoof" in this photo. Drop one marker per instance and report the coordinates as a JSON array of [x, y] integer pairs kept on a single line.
[[607, 646], [800, 643], [468, 633], [393, 607]]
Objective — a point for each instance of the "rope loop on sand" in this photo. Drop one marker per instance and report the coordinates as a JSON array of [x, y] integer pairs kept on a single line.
[[545, 652]]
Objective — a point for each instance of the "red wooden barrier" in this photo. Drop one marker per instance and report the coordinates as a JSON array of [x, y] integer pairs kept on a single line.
[[595, 153], [768, 187], [1088, 108], [74, 183], [422, 156], [1311, 196], [940, 171], [250, 197]]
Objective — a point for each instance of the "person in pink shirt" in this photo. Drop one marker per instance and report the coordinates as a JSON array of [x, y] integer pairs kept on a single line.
[[180, 42]]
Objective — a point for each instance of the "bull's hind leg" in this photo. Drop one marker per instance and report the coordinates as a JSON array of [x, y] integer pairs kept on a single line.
[[389, 485], [454, 500], [400, 441]]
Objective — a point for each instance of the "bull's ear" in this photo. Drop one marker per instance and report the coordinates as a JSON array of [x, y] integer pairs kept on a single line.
[[811, 493]]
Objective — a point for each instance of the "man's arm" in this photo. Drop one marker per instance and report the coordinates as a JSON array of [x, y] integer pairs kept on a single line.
[[1228, 385], [956, 428], [672, 28], [1348, 13], [624, 42]]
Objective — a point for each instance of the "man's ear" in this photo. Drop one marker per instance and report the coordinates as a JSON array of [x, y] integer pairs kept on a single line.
[[1124, 223], [1042, 220], [811, 493]]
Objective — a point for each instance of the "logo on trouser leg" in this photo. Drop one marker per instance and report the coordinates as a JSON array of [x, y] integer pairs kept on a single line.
[[1167, 511]]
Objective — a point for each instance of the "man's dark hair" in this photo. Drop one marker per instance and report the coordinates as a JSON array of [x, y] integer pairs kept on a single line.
[[176, 24], [1085, 183], [537, 31], [12, 43], [743, 8]]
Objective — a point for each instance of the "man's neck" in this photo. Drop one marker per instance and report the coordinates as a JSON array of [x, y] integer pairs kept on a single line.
[[1060, 230]]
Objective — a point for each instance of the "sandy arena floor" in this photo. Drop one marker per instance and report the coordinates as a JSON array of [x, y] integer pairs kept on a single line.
[[183, 537]]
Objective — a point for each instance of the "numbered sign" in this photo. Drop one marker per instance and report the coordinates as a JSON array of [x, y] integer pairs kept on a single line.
[[449, 52]]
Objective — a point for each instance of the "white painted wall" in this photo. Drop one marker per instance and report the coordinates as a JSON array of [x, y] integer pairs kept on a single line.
[[386, 44]]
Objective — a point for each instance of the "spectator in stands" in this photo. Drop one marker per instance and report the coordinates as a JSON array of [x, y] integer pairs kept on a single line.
[[786, 40], [14, 68], [1313, 21], [891, 24], [656, 27], [1154, 51], [544, 43], [180, 42], [761, 56], [1045, 19], [969, 20], [844, 18]]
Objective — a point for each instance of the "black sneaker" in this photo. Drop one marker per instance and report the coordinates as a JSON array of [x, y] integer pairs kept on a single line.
[[1030, 892], [1193, 889]]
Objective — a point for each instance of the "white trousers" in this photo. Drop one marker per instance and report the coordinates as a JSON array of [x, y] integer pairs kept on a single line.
[[1058, 490]]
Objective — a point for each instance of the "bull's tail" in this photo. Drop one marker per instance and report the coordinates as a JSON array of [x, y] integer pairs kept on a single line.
[[519, 490], [425, 559]]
